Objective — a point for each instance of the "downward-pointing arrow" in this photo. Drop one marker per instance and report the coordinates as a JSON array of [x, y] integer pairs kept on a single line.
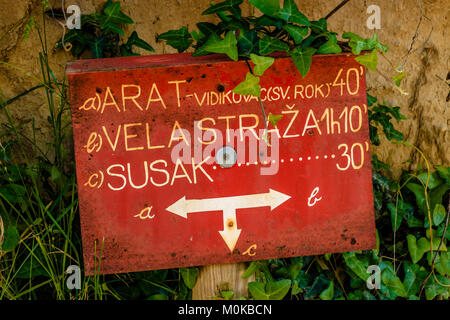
[[228, 205], [230, 237], [230, 232]]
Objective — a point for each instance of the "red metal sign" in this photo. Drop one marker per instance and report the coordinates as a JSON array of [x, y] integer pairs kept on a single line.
[[174, 169]]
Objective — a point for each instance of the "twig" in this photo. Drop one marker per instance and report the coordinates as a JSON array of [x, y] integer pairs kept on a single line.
[[415, 34], [340, 5]]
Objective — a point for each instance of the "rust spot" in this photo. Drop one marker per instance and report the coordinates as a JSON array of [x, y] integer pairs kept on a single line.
[[189, 79], [220, 88], [353, 241], [230, 223], [173, 254], [98, 90]]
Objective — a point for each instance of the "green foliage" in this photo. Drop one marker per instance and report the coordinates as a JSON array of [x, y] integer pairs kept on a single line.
[[302, 58], [381, 115], [370, 60], [228, 45], [250, 86], [179, 39], [100, 32], [261, 63], [358, 44], [280, 29], [11, 238], [189, 276], [272, 290]]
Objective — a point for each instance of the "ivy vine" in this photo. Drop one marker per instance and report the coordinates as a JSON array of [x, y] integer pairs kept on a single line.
[[278, 29]]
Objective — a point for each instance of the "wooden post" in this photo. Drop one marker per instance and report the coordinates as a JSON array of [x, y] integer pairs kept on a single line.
[[220, 277]]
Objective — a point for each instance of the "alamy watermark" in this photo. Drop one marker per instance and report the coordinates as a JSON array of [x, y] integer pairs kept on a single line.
[[74, 280], [374, 20], [374, 280]]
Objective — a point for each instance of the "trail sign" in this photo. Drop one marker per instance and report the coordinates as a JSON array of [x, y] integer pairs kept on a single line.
[[174, 169]]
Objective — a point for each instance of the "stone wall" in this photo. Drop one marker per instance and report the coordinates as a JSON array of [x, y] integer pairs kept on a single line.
[[425, 106]]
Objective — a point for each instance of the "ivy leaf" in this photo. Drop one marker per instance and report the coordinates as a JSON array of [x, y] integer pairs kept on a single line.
[[227, 295], [197, 36], [248, 43], [296, 32], [328, 293], [413, 278], [11, 239], [257, 290], [418, 248], [227, 46], [112, 27], [302, 58], [276, 290], [437, 194], [261, 63], [274, 118], [229, 5], [359, 44], [250, 86], [419, 193], [233, 24], [252, 268], [394, 286], [207, 28], [442, 262], [97, 47], [433, 288], [330, 46], [369, 60], [357, 266], [268, 45], [320, 284], [112, 15], [290, 13], [398, 78], [373, 43], [444, 173], [438, 214], [179, 39], [189, 276], [134, 40], [266, 21], [402, 209], [433, 179], [269, 7], [319, 26]]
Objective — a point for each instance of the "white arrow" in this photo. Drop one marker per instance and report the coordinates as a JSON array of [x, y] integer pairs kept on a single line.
[[230, 232], [228, 205]]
